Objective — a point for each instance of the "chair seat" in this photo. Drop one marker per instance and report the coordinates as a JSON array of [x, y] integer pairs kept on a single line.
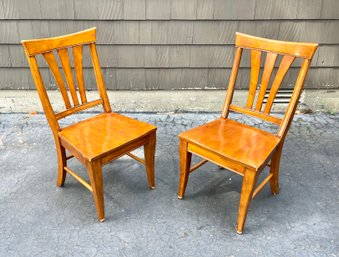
[[104, 133], [235, 141]]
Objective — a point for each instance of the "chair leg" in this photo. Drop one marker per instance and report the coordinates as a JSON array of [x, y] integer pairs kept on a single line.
[[149, 152], [61, 164], [275, 163], [185, 163], [95, 176], [249, 181]]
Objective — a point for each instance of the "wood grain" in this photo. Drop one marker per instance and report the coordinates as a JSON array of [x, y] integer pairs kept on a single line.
[[78, 66], [269, 65], [255, 69], [94, 141], [66, 66], [50, 59], [243, 149]]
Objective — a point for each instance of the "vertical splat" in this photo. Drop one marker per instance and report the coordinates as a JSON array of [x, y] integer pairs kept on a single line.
[[64, 58], [50, 59], [269, 65], [255, 69], [283, 68], [78, 66]]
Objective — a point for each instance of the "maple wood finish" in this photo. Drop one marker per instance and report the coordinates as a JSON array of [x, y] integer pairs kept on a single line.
[[244, 149], [94, 141]]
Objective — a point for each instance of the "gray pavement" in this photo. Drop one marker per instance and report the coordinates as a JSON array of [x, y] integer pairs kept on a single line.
[[39, 219]]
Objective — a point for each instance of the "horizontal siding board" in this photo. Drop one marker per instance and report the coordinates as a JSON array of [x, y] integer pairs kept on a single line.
[[158, 9], [130, 56], [134, 9], [108, 56], [328, 56], [194, 79], [211, 32], [204, 32], [180, 32], [35, 29], [199, 56], [309, 9], [205, 9], [110, 10], [157, 79], [62, 27], [169, 44], [184, 9], [290, 31], [167, 9], [160, 79], [108, 35], [86, 9], [10, 9], [165, 79], [272, 9], [5, 59], [9, 32], [19, 9], [153, 56], [226, 32], [57, 9], [125, 32], [221, 56], [324, 78], [159, 32], [233, 10], [16, 55], [260, 28], [29, 9], [179, 56], [145, 32], [218, 78], [174, 32], [330, 9], [17, 78], [157, 56], [130, 79], [2, 14], [321, 32], [109, 78]]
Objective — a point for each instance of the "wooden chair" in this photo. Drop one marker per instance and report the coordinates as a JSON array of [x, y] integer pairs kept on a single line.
[[244, 149], [95, 141]]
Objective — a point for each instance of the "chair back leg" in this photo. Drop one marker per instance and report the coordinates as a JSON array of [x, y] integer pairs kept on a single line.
[[62, 163], [274, 169]]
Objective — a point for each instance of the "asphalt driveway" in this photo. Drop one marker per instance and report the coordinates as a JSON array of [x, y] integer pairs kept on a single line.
[[39, 219]]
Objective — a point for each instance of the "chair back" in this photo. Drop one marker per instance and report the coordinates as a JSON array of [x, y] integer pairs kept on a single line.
[[259, 47], [50, 48]]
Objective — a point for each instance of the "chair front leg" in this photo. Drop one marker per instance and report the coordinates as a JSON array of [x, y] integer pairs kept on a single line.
[[149, 152], [249, 181], [95, 176], [62, 162], [185, 163]]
